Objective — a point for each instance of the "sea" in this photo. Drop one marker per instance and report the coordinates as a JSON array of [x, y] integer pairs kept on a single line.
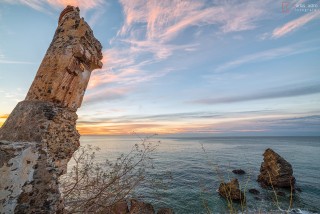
[[190, 169]]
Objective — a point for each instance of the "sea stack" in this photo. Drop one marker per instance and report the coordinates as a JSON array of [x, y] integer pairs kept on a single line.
[[40, 136], [231, 191], [275, 171]]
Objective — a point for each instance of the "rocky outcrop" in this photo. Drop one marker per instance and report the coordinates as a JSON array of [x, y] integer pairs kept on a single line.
[[275, 171], [254, 191], [165, 211], [136, 207], [239, 171], [120, 207], [139, 207], [231, 191], [40, 136]]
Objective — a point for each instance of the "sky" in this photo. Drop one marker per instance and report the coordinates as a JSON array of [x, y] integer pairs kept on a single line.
[[183, 67]]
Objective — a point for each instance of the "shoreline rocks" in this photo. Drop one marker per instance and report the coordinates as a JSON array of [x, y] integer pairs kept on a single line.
[[275, 171], [139, 207], [136, 207], [239, 171], [254, 191], [231, 191]]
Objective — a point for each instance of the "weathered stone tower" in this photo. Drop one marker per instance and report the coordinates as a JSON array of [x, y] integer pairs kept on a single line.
[[40, 136]]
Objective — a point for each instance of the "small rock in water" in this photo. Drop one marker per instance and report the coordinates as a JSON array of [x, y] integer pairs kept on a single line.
[[165, 211], [254, 191], [231, 191], [139, 207], [238, 171]]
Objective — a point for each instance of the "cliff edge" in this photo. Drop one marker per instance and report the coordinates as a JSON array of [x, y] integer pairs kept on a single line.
[[40, 136]]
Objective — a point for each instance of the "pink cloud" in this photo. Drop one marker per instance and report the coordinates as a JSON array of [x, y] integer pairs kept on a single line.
[[294, 24], [42, 5], [105, 94], [149, 27], [167, 18]]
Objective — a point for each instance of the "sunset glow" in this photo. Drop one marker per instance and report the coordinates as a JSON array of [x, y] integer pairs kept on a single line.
[[178, 67]]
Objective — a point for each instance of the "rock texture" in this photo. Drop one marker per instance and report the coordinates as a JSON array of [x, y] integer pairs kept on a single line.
[[239, 171], [120, 207], [139, 207], [254, 191], [165, 211], [136, 207], [231, 191], [65, 70], [275, 171], [39, 137]]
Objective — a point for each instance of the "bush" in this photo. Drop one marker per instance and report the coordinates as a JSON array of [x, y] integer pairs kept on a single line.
[[90, 186]]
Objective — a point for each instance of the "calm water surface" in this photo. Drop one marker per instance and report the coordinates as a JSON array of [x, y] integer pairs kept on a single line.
[[197, 174]]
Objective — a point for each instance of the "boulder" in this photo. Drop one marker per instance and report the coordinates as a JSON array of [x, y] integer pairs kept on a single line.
[[239, 171], [121, 207], [254, 191], [275, 171], [165, 211], [139, 207], [231, 191]]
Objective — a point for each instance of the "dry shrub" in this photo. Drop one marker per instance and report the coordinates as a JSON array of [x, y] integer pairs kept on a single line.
[[92, 186]]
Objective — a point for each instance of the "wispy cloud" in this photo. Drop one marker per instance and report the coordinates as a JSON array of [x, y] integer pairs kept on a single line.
[[166, 19], [4, 61], [105, 94], [184, 116], [189, 122], [289, 91], [267, 55], [58, 4], [264, 122], [295, 24], [150, 28]]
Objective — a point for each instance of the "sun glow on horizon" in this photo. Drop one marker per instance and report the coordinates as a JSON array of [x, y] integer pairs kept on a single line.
[[176, 67]]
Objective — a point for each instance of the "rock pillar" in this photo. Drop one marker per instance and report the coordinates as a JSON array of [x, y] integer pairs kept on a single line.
[[40, 136], [275, 171]]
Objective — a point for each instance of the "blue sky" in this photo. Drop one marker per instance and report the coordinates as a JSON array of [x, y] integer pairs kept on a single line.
[[179, 66]]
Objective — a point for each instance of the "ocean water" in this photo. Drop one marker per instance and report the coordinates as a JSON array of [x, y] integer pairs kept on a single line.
[[197, 165]]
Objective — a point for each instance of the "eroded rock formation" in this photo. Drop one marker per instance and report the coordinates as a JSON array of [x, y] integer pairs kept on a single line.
[[139, 207], [136, 207], [231, 191], [275, 171], [40, 136]]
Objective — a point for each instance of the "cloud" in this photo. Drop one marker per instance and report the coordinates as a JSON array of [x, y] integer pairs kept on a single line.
[[295, 24], [3, 61], [264, 122], [292, 125], [4, 116], [275, 53], [150, 26], [283, 92], [165, 19], [58, 4], [191, 117], [106, 94], [120, 129]]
